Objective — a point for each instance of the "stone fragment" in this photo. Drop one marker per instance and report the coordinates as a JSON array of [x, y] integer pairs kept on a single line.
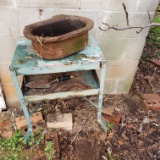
[[113, 118]]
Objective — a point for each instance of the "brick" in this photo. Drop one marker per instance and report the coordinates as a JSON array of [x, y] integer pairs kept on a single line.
[[132, 6], [7, 134], [151, 101], [49, 4], [63, 121], [5, 124], [36, 120], [53, 136], [114, 118], [151, 97], [108, 110], [123, 48], [152, 104], [155, 62], [6, 128]]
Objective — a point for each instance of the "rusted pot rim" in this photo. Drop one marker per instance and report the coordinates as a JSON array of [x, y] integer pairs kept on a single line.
[[28, 29]]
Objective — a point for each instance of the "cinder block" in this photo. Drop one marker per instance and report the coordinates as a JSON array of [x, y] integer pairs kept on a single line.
[[7, 50], [11, 96], [94, 15], [123, 70], [9, 22], [110, 86], [132, 6], [124, 85], [49, 4], [122, 48], [6, 3], [92, 4], [9, 32], [27, 16]]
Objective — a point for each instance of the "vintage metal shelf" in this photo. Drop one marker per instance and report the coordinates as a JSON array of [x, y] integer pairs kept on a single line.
[[26, 62]]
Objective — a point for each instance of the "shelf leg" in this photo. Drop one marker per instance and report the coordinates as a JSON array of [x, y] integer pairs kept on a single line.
[[100, 101], [23, 103]]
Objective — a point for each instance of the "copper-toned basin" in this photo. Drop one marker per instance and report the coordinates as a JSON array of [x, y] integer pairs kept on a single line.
[[59, 36]]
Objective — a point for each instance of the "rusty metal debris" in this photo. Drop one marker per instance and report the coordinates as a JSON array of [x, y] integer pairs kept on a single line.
[[45, 83], [60, 36]]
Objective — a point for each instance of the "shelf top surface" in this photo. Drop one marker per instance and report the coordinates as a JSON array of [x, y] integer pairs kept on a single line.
[[25, 57]]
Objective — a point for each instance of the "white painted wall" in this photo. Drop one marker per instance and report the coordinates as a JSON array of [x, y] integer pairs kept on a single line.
[[121, 48]]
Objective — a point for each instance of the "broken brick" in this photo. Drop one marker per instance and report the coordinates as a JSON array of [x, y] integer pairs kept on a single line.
[[6, 124], [151, 97], [7, 134], [151, 104], [113, 118], [151, 101], [36, 120], [6, 129], [108, 110]]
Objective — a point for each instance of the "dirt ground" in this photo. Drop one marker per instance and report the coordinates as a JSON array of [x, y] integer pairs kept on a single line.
[[131, 139]]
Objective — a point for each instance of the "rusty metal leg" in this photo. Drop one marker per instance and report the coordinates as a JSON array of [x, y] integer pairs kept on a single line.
[[23, 103], [100, 101]]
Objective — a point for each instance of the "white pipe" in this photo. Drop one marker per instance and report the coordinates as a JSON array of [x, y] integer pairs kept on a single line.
[[2, 102]]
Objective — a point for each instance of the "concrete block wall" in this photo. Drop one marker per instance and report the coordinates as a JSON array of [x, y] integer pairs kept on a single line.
[[121, 48]]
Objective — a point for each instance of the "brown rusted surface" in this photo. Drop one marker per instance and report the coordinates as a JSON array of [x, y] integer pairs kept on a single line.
[[59, 36]]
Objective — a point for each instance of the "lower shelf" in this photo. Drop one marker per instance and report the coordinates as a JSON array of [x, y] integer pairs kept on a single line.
[[86, 83]]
